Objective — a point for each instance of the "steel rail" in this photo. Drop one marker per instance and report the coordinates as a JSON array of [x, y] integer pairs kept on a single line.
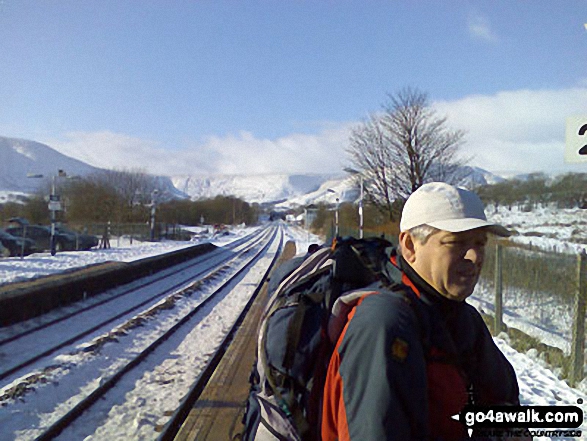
[[127, 311], [172, 427], [175, 270], [62, 423]]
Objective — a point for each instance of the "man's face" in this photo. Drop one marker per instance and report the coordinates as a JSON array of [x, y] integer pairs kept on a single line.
[[449, 262]]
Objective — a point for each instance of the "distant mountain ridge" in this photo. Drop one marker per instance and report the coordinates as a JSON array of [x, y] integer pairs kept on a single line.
[[19, 157], [252, 188]]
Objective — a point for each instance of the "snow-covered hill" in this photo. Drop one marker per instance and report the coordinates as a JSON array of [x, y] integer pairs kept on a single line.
[[342, 188], [346, 188], [20, 158], [252, 188], [293, 190], [477, 176]]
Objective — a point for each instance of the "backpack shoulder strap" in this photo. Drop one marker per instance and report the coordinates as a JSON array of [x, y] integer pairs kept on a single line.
[[413, 301]]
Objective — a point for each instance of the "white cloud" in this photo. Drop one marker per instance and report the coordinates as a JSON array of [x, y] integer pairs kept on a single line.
[[479, 27], [244, 153], [520, 130], [233, 154], [112, 150]]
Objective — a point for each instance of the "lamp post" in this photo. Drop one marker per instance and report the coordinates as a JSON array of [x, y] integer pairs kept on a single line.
[[135, 201], [54, 206], [336, 231], [361, 218], [154, 194], [310, 213]]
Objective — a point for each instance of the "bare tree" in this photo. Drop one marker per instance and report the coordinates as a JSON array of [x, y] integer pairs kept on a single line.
[[119, 195], [404, 147], [134, 187], [92, 200], [371, 156]]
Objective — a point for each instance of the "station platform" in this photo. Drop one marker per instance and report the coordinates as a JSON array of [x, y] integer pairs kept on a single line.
[[218, 413]]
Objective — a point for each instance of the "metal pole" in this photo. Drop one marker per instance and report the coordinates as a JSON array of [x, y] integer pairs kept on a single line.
[[498, 290], [153, 210], [336, 217], [361, 219], [306, 225], [578, 343], [23, 241], [53, 198], [152, 222]]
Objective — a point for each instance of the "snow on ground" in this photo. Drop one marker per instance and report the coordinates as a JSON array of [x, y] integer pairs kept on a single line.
[[538, 384], [540, 387], [539, 314], [15, 269], [549, 228], [302, 238], [12, 196]]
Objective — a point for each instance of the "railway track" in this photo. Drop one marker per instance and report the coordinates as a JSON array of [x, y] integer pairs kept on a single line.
[[91, 381], [23, 344]]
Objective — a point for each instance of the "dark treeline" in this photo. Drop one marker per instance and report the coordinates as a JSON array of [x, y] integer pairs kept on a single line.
[[564, 191], [376, 223], [125, 197], [219, 210]]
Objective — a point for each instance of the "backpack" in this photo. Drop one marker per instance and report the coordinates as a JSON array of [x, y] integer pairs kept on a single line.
[[294, 348]]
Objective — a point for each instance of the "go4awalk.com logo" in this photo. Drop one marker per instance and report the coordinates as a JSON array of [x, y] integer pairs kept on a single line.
[[517, 421]]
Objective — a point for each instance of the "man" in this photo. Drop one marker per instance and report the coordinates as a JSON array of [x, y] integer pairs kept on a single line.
[[407, 361]]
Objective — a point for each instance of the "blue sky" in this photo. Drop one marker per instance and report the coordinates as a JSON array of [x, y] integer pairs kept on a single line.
[[192, 87]]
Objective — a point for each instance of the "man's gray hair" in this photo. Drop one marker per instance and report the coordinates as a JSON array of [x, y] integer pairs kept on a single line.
[[422, 233]]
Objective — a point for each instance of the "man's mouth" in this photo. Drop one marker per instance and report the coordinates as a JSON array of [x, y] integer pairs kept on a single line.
[[468, 275]]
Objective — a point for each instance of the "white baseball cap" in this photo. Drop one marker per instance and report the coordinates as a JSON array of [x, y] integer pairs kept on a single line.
[[447, 208]]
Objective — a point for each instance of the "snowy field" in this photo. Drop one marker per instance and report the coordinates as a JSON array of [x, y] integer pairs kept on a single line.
[[539, 314], [549, 228], [538, 384]]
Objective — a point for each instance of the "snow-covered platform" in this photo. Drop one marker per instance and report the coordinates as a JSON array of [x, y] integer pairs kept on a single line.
[[23, 300], [218, 412]]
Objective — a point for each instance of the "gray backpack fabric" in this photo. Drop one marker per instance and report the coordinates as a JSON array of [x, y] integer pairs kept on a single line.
[[294, 349]]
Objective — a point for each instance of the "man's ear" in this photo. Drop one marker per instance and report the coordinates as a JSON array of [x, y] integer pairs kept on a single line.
[[408, 247]]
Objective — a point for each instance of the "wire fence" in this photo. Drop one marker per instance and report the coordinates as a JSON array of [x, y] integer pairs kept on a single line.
[[533, 272], [140, 231], [543, 293]]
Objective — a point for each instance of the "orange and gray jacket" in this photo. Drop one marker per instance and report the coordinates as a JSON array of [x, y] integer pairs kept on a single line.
[[404, 363]]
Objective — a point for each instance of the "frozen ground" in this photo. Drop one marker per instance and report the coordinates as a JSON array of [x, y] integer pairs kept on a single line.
[[538, 384], [540, 314], [562, 230], [15, 269]]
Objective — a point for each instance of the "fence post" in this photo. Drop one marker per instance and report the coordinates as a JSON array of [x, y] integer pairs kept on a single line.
[[498, 323], [578, 344]]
